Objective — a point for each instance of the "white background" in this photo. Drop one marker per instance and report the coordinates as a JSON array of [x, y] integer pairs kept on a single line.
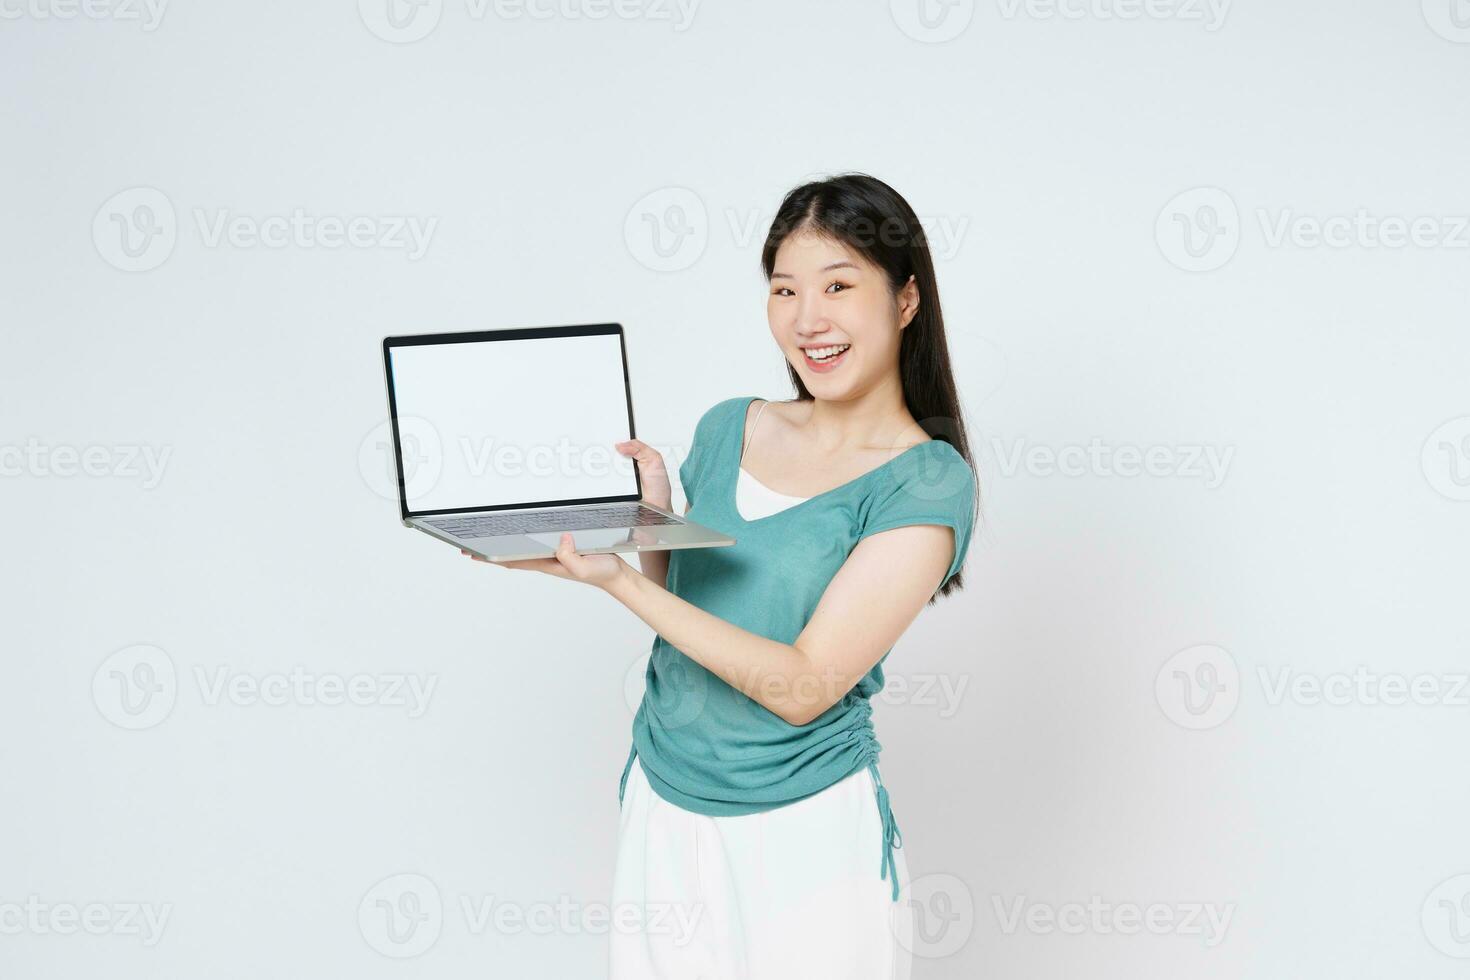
[[567, 169]]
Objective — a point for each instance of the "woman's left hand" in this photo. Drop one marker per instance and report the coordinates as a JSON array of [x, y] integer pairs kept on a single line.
[[599, 570]]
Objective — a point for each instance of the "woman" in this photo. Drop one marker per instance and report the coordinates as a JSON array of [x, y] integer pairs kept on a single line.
[[756, 838]]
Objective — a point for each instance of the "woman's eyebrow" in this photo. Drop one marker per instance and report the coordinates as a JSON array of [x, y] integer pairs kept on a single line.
[[844, 264]]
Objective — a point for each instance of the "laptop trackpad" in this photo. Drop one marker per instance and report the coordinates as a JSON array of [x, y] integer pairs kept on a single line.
[[590, 538]]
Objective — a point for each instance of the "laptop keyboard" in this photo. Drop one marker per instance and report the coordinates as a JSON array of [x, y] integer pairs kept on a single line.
[[532, 521]]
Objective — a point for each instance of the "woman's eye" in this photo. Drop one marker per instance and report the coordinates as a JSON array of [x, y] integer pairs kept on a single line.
[[842, 284], [781, 289]]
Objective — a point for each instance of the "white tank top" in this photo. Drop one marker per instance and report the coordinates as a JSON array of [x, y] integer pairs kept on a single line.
[[753, 499]]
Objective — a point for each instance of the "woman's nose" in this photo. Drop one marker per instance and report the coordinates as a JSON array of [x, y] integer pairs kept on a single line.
[[811, 321]]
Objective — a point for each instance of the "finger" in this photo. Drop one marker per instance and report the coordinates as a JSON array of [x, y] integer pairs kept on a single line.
[[633, 447], [567, 557], [548, 565]]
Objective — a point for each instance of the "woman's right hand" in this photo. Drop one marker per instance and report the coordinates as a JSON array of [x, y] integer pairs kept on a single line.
[[655, 478]]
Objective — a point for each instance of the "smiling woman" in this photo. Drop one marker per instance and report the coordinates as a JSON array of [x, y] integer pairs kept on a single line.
[[752, 790]]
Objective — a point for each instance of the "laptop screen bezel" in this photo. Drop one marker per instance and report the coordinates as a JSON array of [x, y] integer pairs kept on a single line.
[[484, 336]]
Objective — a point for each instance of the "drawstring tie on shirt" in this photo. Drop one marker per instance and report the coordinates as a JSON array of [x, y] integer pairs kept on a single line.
[[891, 837]]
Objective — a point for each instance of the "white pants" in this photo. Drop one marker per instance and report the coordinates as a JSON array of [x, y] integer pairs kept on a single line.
[[790, 893]]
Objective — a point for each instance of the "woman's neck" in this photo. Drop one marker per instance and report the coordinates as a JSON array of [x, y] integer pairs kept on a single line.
[[877, 418]]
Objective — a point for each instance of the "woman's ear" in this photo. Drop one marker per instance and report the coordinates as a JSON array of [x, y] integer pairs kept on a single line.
[[908, 302]]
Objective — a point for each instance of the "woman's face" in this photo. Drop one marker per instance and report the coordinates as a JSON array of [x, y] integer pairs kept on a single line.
[[834, 316]]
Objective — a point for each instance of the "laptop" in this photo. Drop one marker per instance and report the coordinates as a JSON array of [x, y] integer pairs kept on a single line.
[[504, 439]]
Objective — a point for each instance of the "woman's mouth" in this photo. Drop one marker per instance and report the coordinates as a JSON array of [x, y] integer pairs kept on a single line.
[[823, 359]]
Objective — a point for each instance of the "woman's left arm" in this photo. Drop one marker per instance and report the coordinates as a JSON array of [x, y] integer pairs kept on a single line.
[[881, 588]]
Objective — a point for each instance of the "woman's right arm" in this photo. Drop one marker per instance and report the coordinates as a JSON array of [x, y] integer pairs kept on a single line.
[[655, 564], [656, 490]]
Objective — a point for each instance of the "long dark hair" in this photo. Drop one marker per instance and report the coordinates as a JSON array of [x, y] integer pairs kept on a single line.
[[873, 220]]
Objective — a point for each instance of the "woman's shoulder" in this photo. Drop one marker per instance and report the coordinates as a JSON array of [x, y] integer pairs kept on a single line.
[[736, 411], [932, 471]]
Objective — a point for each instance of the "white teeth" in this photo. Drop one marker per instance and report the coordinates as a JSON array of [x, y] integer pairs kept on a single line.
[[823, 353]]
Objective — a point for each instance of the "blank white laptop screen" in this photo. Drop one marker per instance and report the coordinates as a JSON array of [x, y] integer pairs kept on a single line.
[[525, 421]]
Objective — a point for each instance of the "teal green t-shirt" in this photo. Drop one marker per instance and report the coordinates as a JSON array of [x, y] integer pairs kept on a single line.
[[704, 745]]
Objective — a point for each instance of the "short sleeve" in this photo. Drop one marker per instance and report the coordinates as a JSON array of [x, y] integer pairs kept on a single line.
[[933, 484], [702, 450]]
